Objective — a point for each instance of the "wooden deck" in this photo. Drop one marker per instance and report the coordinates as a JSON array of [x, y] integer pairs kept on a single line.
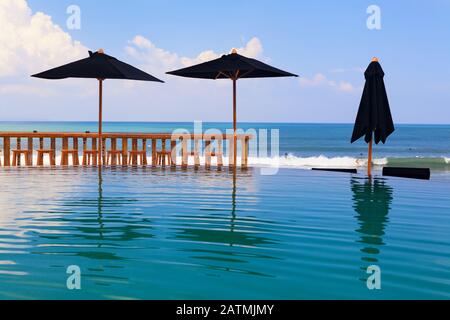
[[118, 148]]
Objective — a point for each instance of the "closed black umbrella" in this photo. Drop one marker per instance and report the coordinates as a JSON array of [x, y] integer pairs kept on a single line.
[[232, 66], [98, 66], [374, 115]]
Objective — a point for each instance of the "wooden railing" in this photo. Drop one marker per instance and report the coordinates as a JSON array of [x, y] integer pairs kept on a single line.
[[119, 148]]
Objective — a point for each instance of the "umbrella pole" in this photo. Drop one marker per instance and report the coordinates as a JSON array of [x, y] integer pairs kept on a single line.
[[234, 125], [369, 160], [100, 101]]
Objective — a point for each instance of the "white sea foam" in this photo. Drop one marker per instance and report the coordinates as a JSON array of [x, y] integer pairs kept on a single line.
[[314, 162], [380, 162], [289, 161], [447, 160]]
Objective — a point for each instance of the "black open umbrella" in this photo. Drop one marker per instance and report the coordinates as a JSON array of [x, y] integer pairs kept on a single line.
[[98, 66], [374, 114], [231, 66]]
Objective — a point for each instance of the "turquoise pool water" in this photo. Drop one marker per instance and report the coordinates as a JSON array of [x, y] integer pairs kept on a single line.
[[163, 234]]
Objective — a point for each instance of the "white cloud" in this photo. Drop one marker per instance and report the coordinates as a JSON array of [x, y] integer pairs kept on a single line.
[[152, 59], [31, 42], [320, 80], [253, 49], [158, 60], [346, 86]]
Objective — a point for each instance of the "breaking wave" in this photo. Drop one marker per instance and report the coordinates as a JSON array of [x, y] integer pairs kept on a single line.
[[322, 161]]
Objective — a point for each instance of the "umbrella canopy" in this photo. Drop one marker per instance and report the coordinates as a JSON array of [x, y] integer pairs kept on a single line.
[[374, 115], [232, 66], [98, 66]]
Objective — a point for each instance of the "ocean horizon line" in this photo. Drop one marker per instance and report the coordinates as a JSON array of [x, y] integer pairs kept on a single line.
[[221, 122]]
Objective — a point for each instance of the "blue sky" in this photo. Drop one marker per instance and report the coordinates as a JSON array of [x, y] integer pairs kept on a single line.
[[326, 42]]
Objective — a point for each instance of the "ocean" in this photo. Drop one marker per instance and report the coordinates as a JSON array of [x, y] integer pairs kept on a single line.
[[301, 145]]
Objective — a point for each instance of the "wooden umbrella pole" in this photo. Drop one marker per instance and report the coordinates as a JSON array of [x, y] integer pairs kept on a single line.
[[100, 100], [369, 160], [234, 125]]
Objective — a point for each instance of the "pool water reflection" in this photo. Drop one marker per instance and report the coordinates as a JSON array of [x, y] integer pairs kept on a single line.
[[186, 234]]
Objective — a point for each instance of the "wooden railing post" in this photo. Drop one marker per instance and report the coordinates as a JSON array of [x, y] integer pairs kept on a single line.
[[40, 155], [163, 148], [18, 147], [111, 158], [208, 153], [144, 149], [247, 149], [53, 147], [154, 152], [6, 151], [244, 159], [124, 151], [196, 153], [29, 158], [85, 156], [219, 153], [184, 151], [75, 155], [173, 152], [230, 151], [134, 146], [65, 146], [94, 147], [103, 150]]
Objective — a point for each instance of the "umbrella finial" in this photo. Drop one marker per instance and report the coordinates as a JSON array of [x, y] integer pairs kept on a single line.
[[234, 51], [101, 51], [374, 59]]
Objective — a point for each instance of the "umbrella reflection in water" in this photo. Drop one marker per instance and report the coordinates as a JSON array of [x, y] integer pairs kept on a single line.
[[224, 244], [372, 200], [95, 226]]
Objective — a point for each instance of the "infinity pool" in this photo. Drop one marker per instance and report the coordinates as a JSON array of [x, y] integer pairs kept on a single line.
[[173, 234]]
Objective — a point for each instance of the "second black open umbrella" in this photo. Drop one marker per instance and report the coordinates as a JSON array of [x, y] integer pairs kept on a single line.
[[98, 66], [232, 66]]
